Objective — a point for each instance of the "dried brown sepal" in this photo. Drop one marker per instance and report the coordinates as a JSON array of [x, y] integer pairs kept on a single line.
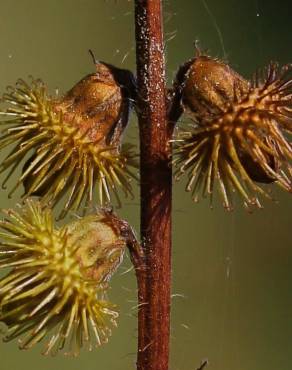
[[239, 135], [57, 278], [76, 139]]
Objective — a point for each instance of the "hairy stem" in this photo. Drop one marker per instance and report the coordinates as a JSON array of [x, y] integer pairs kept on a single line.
[[154, 270]]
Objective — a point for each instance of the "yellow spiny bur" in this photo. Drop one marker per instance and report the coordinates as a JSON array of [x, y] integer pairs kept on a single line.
[[240, 135], [76, 139], [57, 279]]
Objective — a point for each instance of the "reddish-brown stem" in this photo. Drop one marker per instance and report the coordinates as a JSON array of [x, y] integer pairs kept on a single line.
[[154, 270]]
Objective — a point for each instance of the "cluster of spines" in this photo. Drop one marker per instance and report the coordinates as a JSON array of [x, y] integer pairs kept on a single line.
[[45, 294], [65, 161], [249, 132]]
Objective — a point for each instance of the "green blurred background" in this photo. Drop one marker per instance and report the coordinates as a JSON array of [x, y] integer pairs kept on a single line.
[[232, 273]]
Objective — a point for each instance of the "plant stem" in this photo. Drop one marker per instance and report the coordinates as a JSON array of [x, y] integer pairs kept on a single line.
[[154, 271]]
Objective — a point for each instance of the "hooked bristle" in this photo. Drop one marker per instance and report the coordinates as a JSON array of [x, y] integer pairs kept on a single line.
[[57, 280], [238, 141]]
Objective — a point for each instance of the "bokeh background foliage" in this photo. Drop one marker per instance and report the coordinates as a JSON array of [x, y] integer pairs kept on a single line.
[[232, 273]]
